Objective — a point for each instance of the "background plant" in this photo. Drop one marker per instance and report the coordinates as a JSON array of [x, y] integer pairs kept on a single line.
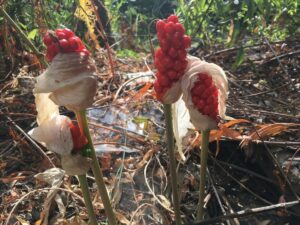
[[217, 21]]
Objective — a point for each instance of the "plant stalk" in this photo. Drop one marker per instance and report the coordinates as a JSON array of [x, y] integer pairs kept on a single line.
[[170, 142], [83, 124], [203, 163], [24, 37], [87, 199]]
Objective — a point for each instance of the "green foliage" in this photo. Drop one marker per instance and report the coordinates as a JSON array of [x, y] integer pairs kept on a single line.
[[127, 53], [217, 21], [138, 14]]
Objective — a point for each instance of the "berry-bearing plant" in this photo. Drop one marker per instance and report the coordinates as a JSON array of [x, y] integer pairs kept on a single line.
[[205, 90], [170, 59], [171, 62], [63, 41], [71, 81]]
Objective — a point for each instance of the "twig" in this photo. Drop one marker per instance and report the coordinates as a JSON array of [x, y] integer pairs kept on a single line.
[[270, 113], [283, 143], [150, 189], [217, 194], [30, 140], [239, 183], [247, 171], [37, 191], [270, 155], [246, 212], [276, 57], [118, 131], [103, 34], [24, 37]]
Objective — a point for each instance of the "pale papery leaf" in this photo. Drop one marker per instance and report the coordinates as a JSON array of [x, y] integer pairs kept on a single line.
[[46, 109], [181, 124], [54, 134], [196, 66], [70, 79], [173, 93]]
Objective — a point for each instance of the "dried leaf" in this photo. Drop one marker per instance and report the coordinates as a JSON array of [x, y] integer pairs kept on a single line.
[[85, 12], [140, 94], [266, 131], [166, 203], [122, 218], [145, 159], [22, 221]]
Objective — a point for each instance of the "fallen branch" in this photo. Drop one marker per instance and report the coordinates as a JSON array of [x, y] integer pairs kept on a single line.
[[246, 212]]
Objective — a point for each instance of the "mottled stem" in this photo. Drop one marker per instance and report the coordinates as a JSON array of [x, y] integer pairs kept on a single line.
[[83, 124], [87, 199], [171, 150], [203, 163]]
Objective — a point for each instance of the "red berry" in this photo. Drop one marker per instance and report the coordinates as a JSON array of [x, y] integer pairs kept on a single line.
[[159, 65], [163, 80], [60, 35], [179, 28], [181, 53], [159, 54], [172, 52], [202, 77], [64, 44], [173, 18], [167, 61], [207, 110], [177, 65], [53, 49], [49, 56], [195, 99], [200, 104], [184, 64], [170, 28], [177, 40], [161, 35], [198, 90], [79, 140], [215, 92], [164, 44], [172, 74], [157, 87], [69, 33], [160, 26], [210, 100], [208, 82], [47, 39], [187, 41], [74, 43], [85, 51], [207, 92]]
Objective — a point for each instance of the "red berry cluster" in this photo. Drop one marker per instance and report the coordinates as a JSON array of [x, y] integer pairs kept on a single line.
[[79, 140], [205, 96], [170, 58], [62, 41]]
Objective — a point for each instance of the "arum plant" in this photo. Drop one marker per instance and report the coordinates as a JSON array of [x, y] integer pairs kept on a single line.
[[70, 81], [170, 61], [58, 134], [205, 90]]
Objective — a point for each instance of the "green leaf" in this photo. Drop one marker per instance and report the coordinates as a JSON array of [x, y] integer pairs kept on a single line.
[[239, 59], [32, 34]]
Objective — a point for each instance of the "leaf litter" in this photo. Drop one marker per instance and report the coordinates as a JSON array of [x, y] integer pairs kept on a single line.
[[131, 145]]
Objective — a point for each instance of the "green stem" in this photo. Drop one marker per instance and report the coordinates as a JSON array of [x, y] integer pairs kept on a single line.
[[24, 37], [170, 142], [87, 199], [83, 123], [203, 163]]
